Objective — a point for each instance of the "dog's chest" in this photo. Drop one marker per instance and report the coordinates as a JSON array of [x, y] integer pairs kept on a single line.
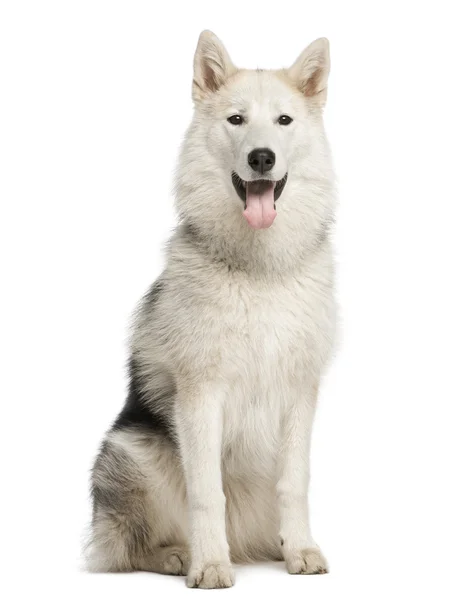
[[267, 347], [267, 334], [263, 343]]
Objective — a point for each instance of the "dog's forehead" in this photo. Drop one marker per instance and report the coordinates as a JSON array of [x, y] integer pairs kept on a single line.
[[259, 90]]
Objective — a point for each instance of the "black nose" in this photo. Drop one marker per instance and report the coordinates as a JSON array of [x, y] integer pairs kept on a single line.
[[261, 160]]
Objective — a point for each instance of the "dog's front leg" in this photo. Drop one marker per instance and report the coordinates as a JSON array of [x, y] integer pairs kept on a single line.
[[199, 423], [301, 553]]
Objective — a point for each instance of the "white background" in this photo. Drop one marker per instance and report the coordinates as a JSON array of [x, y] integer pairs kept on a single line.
[[95, 98]]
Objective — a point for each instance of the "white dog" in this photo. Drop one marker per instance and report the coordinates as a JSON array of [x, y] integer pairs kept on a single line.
[[208, 462]]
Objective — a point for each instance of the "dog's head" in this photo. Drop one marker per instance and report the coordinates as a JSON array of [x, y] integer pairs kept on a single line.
[[261, 128]]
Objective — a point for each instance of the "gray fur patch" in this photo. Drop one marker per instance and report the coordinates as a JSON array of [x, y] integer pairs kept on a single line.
[[119, 497]]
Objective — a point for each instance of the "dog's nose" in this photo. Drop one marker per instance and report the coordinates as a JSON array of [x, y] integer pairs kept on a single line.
[[261, 160]]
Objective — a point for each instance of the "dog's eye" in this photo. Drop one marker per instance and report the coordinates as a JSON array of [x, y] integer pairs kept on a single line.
[[285, 120], [236, 119]]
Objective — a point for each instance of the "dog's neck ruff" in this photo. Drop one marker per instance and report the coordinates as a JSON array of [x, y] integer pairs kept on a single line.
[[260, 258]]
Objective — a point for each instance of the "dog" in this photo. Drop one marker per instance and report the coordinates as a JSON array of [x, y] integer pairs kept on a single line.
[[208, 462]]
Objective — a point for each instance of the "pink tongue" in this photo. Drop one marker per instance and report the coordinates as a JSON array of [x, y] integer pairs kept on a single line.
[[260, 212]]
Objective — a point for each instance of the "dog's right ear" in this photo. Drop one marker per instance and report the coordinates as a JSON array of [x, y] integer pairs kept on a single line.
[[212, 66]]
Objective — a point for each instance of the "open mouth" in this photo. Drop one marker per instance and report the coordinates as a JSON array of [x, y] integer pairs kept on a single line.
[[259, 199], [257, 186]]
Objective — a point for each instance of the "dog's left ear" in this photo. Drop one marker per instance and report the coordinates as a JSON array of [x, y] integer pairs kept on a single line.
[[311, 69], [212, 66]]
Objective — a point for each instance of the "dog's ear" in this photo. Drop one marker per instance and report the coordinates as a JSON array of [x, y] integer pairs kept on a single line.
[[311, 69], [212, 66]]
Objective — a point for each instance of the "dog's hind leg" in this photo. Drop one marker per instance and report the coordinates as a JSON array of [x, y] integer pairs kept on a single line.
[[138, 514]]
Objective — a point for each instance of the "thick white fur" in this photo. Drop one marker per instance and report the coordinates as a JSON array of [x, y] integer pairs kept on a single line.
[[244, 326]]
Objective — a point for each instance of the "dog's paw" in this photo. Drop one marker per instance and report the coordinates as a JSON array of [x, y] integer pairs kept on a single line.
[[308, 561], [176, 562], [211, 576]]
